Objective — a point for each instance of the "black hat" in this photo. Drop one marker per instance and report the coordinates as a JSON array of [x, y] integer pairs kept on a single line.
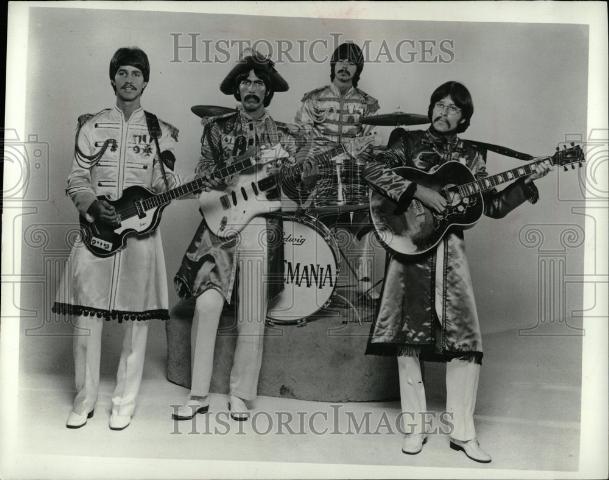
[[348, 51], [255, 61]]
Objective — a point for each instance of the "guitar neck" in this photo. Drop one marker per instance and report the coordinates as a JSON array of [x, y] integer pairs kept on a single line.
[[196, 185], [488, 183], [293, 173]]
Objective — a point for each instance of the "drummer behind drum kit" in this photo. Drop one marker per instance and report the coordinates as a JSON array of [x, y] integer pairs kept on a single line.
[[312, 254]]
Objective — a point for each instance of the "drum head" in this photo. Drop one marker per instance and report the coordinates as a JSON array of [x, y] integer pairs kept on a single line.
[[310, 271]]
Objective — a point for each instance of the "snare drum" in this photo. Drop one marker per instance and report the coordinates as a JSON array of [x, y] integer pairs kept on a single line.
[[310, 270]]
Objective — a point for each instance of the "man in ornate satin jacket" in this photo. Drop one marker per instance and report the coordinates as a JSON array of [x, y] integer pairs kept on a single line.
[[428, 301], [115, 150], [211, 265], [332, 114]]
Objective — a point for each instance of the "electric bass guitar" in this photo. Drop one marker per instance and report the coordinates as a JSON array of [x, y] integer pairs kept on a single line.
[[419, 229], [256, 193], [139, 210]]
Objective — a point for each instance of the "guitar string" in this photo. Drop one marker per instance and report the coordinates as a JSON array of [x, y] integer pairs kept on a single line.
[[164, 197], [486, 183]]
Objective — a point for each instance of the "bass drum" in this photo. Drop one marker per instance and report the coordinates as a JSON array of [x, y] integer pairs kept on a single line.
[[310, 271]]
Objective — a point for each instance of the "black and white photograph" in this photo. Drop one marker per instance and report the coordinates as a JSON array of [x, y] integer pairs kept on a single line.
[[305, 240]]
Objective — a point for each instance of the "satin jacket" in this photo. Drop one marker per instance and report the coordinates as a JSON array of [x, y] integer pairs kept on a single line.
[[334, 116], [112, 154], [210, 261], [428, 300]]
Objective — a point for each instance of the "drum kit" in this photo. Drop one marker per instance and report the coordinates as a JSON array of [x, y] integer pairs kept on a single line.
[[314, 255]]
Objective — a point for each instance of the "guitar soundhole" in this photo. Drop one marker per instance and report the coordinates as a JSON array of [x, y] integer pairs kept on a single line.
[[234, 198], [254, 188], [244, 193]]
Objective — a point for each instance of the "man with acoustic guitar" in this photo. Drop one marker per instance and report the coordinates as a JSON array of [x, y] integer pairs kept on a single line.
[[427, 305], [250, 263], [116, 148]]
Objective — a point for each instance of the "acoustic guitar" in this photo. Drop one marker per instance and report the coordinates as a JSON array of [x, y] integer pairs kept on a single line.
[[419, 229]]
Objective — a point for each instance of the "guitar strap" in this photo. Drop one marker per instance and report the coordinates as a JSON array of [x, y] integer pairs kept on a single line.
[[155, 132], [508, 152]]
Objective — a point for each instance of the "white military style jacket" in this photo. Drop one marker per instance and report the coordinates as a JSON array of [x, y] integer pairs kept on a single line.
[[111, 155]]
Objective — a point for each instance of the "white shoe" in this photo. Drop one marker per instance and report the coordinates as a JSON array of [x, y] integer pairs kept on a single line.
[[413, 443], [472, 449], [119, 422], [191, 408], [76, 420], [238, 409]]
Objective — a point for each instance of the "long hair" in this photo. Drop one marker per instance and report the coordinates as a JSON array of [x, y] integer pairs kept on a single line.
[[262, 74], [460, 95]]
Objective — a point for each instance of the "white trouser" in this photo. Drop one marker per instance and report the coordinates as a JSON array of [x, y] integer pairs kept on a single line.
[[251, 315], [87, 356], [461, 390]]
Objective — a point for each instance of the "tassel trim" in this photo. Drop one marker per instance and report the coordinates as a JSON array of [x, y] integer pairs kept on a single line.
[[120, 315], [424, 352]]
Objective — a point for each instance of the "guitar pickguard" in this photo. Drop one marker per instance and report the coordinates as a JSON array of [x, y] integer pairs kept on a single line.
[[226, 212], [136, 223]]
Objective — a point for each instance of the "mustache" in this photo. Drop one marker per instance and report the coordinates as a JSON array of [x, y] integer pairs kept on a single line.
[[440, 117], [252, 96], [343, 70]]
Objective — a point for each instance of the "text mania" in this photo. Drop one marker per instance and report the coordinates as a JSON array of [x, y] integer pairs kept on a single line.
[[309, 275]]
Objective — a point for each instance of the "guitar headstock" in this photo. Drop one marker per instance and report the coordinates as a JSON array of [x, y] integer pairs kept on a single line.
[[568, 156]]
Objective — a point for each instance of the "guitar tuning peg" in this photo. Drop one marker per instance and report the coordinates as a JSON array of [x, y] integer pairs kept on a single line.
[[572, 144], [565, 168], [557, 149], [572, 166]]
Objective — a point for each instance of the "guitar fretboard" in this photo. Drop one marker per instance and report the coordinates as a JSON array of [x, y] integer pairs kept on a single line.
[[487, 183], [195, 185], [237, 167], [322, 159]]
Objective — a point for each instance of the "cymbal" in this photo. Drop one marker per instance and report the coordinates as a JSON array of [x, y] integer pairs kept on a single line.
[[205, 111], [395, 119]]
